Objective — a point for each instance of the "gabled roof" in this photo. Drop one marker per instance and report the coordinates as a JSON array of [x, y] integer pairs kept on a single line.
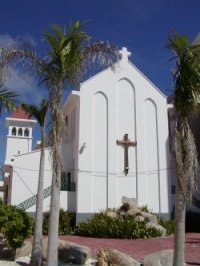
[[116, 65], [20, 113], [197, 39]]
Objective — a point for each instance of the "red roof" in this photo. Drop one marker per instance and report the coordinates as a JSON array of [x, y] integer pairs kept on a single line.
[[7, 168], [20, 113]]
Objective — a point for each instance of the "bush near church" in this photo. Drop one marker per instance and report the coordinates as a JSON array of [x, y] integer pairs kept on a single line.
[[104, 226], [129, 221], [66, 223], [15, 225]]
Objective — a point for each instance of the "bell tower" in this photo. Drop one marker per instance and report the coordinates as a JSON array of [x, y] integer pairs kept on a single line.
[[19, 139]]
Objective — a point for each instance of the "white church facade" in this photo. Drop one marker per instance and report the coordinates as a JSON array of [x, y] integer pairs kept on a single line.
[[116, 145]]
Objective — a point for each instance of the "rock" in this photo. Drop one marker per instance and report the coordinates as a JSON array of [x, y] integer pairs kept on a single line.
[[112, 214], [90, 262], [108, 257], [129, 202], [133, 211], [23, 260], [156, 226], [139, 218], [150, 217], [69, 252], [9, 263], [159, 258], [122, 213], [24, 251]]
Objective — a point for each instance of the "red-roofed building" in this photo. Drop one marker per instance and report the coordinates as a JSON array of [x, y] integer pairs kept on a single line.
[[20, 113], [20, 127]]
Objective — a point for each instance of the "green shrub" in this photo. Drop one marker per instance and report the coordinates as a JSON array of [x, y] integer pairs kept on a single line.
[[15, 224], [101, 225], [145, 208], [1, 201], [66, 220], [167, 224]]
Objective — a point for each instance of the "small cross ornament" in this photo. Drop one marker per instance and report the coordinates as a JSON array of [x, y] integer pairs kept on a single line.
[[124, 53]]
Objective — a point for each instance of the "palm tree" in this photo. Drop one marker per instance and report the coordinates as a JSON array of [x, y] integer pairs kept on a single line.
[[7, 99], [39, 113], [186, 99], [68, 55]]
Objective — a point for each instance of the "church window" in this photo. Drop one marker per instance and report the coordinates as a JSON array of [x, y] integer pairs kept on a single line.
[[26, 132], [14, 131], [20, 132], [65, 181], [67, 128]]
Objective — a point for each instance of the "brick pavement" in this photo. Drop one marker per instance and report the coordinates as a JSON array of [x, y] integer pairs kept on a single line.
[[139, 248]]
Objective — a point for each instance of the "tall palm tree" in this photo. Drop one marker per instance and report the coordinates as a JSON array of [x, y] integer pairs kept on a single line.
[[39, 112], [187, 97], [7, 99], [68, 56]]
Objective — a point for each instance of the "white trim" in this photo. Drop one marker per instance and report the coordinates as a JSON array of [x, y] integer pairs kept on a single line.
[[23, 120]]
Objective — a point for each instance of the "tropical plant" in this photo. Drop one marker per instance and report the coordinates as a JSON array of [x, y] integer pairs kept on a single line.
[[7, 99], [68, 55], [39, 112], [66, 222], [186, 79], [103, 226], [15, 224]]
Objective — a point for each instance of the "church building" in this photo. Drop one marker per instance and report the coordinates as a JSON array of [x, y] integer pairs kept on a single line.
[[116, 145]]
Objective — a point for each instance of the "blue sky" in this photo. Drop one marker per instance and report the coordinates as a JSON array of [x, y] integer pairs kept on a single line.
[[140, 25]]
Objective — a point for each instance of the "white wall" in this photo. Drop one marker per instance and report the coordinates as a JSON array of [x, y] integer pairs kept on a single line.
[[25, 177], [112, 104], [18, 144]]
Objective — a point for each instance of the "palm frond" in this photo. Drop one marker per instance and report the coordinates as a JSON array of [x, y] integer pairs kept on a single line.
[[39, 112], [186, 76], [8, 99]]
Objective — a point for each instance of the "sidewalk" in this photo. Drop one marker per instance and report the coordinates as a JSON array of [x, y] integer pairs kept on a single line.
[[139, 248]]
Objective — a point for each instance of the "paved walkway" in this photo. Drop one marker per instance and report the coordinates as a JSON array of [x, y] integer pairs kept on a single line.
[[139, 248]]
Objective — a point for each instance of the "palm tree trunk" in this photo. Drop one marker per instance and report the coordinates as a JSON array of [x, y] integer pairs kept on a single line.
[[52, 256], [36, 256], [179, 238]]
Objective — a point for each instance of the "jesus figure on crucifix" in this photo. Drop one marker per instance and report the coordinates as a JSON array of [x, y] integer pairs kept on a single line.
[[126, 143]]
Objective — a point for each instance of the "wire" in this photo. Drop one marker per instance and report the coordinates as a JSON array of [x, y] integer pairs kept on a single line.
[[100, 173], [29, 169]]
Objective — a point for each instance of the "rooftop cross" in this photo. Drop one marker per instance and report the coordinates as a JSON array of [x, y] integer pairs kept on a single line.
[[124, 53]]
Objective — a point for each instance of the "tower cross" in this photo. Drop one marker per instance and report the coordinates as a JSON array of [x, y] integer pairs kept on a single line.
[[124, 54], [126, 143]]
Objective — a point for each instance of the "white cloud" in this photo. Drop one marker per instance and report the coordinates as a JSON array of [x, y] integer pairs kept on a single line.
[[20, 79], [6, 40], [25, 84]]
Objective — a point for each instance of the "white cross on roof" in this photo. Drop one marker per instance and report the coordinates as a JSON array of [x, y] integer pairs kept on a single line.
[[124, 53]]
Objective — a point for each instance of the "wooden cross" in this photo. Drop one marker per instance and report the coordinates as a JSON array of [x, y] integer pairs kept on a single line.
[[126, 143]]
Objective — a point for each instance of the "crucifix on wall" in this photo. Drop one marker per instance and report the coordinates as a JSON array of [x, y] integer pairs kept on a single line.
[[126, 143]]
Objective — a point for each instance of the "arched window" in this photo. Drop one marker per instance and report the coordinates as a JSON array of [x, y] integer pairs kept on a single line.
[[26, 132], [14, 131], [20, 132]]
